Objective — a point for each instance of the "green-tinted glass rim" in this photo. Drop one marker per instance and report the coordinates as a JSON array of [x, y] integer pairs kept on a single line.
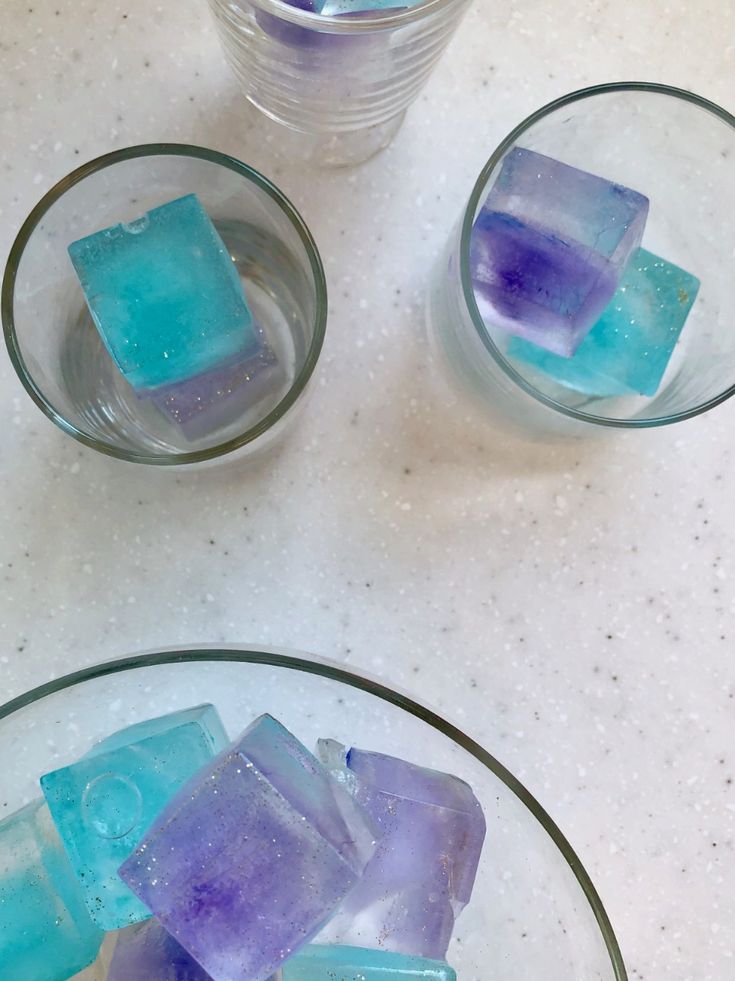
[[171, 150], [384, 19], [466, 233], [334, 672]]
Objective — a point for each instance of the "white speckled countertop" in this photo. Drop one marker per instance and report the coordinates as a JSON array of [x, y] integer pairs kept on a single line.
[[572, 607]]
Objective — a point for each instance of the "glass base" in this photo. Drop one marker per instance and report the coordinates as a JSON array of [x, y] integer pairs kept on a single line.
[[332, 150]]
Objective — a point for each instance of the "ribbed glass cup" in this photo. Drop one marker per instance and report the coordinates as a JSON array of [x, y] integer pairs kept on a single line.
[[58, 353], [676, 148], [345, 82]]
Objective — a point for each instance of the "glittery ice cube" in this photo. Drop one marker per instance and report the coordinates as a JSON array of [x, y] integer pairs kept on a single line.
[[319, 962], [46, 933], [549, 247], [222, 396], [250, 860], [103, 803], [165, 295], [628, 349], [421, 876]]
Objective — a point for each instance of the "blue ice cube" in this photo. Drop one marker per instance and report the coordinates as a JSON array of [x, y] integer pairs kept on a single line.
[[333, 8], [319, 962], [549, 247], [165, 294], [46, 933], [104, 803], [628, 349]]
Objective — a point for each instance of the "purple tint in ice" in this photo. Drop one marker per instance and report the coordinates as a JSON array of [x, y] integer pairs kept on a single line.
[[319, 39], [432, 831], [253, 856], [220, 397], [146, 952], [549, 247], [536, 285]]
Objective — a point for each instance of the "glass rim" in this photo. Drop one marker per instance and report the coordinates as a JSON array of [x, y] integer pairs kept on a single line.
[[339, 24], [331, 671], [468, 219], [100, 163]]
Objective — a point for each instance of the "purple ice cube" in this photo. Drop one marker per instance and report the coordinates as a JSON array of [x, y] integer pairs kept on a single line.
[[549, 247], [217, 398], [431, 834], [146, 952], [250, 860]]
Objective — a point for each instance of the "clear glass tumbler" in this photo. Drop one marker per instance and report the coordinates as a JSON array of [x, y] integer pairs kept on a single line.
[[343, 81], [58, 352], [678, 150]]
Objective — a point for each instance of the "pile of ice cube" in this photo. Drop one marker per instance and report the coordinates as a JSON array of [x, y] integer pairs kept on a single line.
[[170, 307], [239, 861], [556, 263]]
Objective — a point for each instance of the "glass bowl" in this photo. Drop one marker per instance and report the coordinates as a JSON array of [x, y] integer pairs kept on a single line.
[[534, 912], [675, 148], [59, 356]]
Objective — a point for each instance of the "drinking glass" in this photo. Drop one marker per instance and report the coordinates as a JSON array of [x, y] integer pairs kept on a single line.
[[677, 149], [342, 82], [58, 353]]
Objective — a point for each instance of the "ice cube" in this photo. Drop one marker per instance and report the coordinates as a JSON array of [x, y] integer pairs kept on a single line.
[[549, 247], [46, 933], [103, 803], [628, 349], [335, 8], [431, 834], [250, 860], [319, 962], [165, 295]]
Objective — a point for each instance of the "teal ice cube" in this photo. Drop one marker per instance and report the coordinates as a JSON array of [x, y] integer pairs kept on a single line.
[[334, 963], [335, 8], [165, 295], [104, 803], [46, 933], [628, 349]]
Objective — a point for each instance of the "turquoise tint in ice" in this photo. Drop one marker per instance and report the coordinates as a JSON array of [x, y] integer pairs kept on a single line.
[[46, 933], [165, 294], [105, 802], [628, 349], [549, 247], [335, 963], [331, 8]]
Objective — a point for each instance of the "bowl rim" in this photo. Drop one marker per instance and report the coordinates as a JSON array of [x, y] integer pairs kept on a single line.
[[467, 222], [96, 165], [330, 670]]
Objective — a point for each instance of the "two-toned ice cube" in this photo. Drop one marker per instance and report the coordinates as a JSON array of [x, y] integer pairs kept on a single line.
[[549, 247], [169, 305]]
